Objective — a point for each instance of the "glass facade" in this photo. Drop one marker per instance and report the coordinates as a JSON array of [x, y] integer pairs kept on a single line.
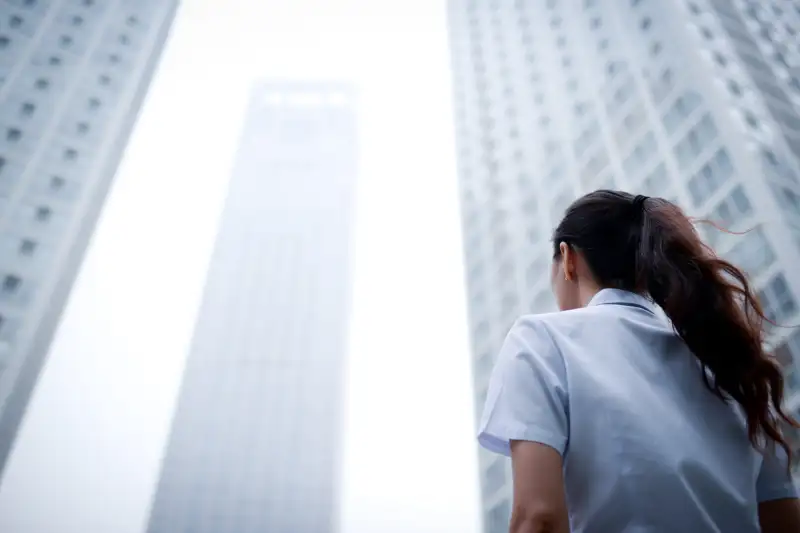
[[694, 101], [255, 443], [73, 74]]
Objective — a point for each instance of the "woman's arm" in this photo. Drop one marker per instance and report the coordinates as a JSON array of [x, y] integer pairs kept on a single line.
[[540, 505], [779, 516]]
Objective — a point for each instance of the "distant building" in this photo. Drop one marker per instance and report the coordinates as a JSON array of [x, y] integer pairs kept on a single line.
[[694, 101], [256, 440], [73, 75]]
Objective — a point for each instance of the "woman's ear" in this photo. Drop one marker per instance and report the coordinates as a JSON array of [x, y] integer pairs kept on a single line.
[[567, 261]]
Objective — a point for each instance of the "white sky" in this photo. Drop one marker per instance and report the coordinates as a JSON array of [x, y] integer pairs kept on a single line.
[[89, 450]]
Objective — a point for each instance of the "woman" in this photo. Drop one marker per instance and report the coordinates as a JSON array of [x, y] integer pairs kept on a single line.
[[618, 421]]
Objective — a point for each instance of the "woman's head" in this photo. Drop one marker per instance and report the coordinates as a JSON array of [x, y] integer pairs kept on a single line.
[[611, 239], [598, 243]]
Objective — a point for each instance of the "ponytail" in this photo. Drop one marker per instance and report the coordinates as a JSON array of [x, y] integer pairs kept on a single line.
[[713, 308], [648, 245]]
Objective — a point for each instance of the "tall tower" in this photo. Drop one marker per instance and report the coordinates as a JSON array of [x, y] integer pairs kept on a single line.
[[73, 74], [255, 443], [695, 101]]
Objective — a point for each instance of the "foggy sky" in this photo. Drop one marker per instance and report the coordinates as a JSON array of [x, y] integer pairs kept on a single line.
[[88, 451]]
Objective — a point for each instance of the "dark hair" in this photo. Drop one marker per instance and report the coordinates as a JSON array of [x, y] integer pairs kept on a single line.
[[647, 245]]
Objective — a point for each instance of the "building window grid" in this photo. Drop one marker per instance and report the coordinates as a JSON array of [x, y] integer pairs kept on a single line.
[[778, 300], [696, 141], [716, 171]]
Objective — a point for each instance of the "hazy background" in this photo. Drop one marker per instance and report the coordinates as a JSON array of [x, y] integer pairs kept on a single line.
[[88, 452]]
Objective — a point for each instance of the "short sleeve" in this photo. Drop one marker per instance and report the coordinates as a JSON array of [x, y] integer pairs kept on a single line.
[[527, 397], [774, 480]]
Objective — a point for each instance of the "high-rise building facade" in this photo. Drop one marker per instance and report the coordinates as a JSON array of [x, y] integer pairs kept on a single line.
[[73, 74], [694, 101], [255, 442]]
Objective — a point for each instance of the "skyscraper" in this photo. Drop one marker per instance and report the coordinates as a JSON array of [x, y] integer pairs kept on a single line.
[[73, 74], [695, 101], [255, 442]]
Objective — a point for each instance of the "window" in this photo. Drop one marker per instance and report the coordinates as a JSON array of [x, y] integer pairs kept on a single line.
[[694, 8], [4, 42], [681, 110], [77, 20], [124, 39], [640, 154], [11, 284], [94, 103], [70, 154], [622, 94], [751, 119], [499, 517], [88, 3], [789, 353], [706, 33], [663, 85], [14, 21], [483, 366], [65, 41], [54, 61], [695, 141], [612, 68], [43, 214], [82, 128], [780, 58], [42, 84], [787, 198], [536, 270], [777, 299], [752, 253], [657, 182], [113, 59], [56, 183], [13, 135], [132, 21], [732, 209], [596, 23], [655, 48], [720, 59], [27, 247], [711, 177], [104, 80], [603, 44], [734, 88], [646, 23]]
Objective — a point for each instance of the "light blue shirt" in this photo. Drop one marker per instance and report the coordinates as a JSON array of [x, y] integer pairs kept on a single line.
[[646, 446]]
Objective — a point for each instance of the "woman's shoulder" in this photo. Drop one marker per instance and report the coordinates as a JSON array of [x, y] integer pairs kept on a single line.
[[558, 322]]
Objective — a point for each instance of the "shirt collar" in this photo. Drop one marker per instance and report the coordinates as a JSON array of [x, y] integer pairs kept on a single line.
[[621, 297]]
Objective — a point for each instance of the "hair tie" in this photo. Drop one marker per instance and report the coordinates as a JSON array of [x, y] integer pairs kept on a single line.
[[638, 202]]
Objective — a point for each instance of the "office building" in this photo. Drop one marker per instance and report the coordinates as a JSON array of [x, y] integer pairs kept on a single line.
[[255, 442], [73, 74], [694, 101]]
